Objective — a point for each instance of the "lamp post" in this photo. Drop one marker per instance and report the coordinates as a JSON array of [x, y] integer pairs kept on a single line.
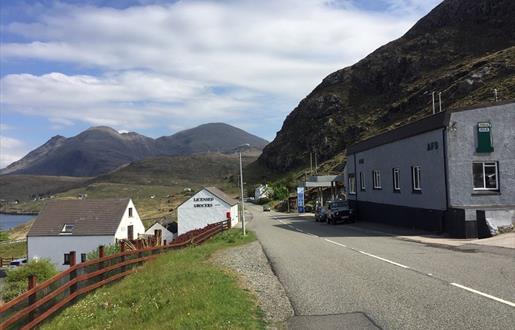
[[241, 183]]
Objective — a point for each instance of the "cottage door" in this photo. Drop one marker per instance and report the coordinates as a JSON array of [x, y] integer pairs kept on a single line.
[[130, 232]]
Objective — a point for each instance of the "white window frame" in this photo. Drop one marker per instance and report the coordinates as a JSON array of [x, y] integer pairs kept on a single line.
[[396, 175], [352, 183], [362, 182], [376, 179], [415, 178], [487, 164]]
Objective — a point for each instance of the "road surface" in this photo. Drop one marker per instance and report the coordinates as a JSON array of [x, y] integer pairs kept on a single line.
[[396, 284]]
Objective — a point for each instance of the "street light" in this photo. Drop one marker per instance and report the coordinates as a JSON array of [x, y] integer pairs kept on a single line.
[[241, 183]]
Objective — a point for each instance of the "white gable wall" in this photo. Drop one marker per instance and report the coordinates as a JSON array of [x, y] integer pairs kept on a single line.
[[165, 233], [121, 232], [54, 247], [191, 217]]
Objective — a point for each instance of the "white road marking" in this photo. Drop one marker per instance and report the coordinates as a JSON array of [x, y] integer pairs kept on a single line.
[[383, 259], [509, 303], [328, 240]]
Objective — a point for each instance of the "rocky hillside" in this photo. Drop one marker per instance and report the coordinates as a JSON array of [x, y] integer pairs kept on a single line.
[[100, 150], [189, 170], [462, 48]]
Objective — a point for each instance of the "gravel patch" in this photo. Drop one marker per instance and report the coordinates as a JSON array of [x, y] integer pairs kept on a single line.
[[252, 266]]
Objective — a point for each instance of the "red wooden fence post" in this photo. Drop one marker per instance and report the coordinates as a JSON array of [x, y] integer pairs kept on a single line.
[[32, 298], [73, 274], [122, 258], [101, 254]]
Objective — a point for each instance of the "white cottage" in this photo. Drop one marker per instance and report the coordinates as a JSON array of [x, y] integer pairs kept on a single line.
[[209, 205], [165, 233], [81, 226]]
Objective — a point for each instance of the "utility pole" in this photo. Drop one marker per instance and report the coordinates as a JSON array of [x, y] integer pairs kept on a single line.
[[310, 163], [440, 100], [433, 94], [242, 201]]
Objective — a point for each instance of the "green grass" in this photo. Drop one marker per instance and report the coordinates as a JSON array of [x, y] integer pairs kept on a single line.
[[179, 290], [18, 249], [149, 209]]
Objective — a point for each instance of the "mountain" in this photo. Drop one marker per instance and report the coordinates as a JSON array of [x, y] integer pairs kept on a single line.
[[214, 137], [99, 150], [462, 48]]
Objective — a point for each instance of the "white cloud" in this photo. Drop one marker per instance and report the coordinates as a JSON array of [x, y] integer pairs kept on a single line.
[[165, 62], [10, 150]]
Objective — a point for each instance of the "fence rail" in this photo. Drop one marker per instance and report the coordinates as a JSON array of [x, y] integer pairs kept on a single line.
[[41, 301]]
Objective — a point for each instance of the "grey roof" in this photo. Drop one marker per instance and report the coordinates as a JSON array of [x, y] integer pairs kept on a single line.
[[423, 125], [90, 217], [223, 196]]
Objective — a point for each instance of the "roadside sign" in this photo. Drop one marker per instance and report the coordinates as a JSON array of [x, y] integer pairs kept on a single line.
[[300, 199]]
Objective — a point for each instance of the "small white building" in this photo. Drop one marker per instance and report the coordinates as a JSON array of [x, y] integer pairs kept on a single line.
[[81, 226], [209, 205], [165, 233], [261, 191]]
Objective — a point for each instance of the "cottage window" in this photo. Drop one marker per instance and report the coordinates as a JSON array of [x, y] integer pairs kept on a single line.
[[396, 179], [83, 257], [415, 178], [485, 176], [352, 184], [362, 181], [130, 212], [66, 259], [376, 179], [67, 228]]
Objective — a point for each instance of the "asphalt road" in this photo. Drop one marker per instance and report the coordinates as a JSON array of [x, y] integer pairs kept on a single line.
[[397, 284]]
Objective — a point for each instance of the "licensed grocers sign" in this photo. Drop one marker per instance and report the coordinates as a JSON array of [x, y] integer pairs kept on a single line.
[[203, 202]]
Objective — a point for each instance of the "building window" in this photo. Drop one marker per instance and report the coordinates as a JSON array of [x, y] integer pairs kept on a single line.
[[396, 179], [67, 228], [66, 259], [415, 178], [484, 138], [362, 181], [130, 212], [83, 257], [376, 179], [485, 176], [352, 184]]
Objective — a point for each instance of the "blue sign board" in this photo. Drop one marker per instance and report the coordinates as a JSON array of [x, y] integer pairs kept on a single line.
[[300, 199]]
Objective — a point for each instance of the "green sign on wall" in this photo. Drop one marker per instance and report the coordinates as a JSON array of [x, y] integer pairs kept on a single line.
[[484, 138]]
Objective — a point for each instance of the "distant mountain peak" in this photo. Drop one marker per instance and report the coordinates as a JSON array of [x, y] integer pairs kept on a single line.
[[101, 149]]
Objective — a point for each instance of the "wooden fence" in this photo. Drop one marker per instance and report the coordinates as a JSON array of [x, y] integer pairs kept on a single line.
[[42, 300], [6, 261]]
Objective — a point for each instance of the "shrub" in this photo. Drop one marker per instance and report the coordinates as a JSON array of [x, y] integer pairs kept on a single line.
[[16, 280], [108, 250]]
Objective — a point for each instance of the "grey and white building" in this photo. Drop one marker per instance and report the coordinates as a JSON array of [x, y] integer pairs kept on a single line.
[[451, 172]]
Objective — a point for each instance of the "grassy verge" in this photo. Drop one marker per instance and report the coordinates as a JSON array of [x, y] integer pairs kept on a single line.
[[179, 290], [18, 249]]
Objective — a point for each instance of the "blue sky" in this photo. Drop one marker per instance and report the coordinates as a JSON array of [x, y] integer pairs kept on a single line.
[[157, 67]]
